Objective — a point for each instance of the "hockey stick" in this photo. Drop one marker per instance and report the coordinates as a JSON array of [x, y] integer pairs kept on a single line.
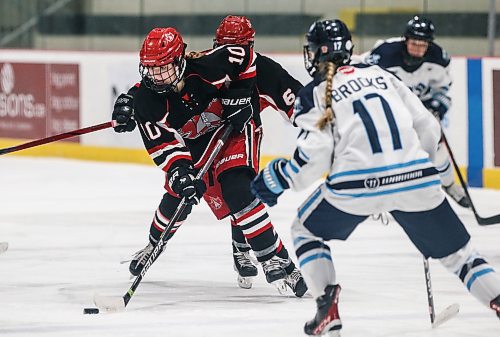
[[60, 136], [114, 303], [446, 314], [492, 220]]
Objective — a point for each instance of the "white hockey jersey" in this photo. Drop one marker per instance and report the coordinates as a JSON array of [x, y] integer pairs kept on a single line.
[[429, 80], [379, 151]]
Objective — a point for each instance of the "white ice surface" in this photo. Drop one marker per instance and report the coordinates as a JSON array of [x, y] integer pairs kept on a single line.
[[69, 223]]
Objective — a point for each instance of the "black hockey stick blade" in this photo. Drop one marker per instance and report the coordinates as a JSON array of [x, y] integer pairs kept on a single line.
[[488, 221]]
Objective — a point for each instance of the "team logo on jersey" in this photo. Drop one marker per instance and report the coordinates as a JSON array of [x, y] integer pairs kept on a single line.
[[373, 59], [372, 183], [199, 125], [214, 202], [346, 70], [297, 107]]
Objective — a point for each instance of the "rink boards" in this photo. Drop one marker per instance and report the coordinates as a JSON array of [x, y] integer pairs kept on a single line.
[[45, 92]]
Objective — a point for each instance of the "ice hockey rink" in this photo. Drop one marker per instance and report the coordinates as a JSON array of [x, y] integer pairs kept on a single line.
[[69, 224]]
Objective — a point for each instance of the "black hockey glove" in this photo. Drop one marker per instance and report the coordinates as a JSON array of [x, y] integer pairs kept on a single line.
[[237, 107], [123, 113], [437, 108], [270, 182], [181, 180]]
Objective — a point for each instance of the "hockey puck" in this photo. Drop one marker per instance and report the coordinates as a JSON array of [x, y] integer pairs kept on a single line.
[[90, 311]]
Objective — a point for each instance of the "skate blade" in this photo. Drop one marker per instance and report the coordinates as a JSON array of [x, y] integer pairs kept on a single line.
[[245, 282], [333, 333], [281, 286]]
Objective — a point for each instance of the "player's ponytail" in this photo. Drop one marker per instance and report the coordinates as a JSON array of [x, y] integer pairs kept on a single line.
[[328, 115]]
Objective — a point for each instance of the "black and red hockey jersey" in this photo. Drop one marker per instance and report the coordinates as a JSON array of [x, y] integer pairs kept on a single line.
[[178, 127], [276, 87]]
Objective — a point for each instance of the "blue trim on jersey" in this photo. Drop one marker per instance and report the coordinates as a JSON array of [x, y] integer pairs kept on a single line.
[[379, 169], [314, 257], [395, 190], [309, 202], [293, 167], [475, 118], [302, 153], [478, 274]]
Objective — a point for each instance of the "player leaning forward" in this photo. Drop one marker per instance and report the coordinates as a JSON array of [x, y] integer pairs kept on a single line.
[[425, 68], [180, 105], [377, 141]]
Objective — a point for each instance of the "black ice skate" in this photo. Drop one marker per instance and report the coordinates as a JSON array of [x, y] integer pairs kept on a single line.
[[245, 268], [327, 320], [457, 193], [275, 273], [139, 259], [495, 305], [296, 282]]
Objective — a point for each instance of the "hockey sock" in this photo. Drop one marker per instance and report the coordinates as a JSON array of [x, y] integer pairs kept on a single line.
[[314, 258], [475, 273], [258, 230], [158, 225], [239, 240]]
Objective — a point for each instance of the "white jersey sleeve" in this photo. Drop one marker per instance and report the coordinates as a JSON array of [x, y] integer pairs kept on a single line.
[[378, 150], [424, 123], [313, 156]]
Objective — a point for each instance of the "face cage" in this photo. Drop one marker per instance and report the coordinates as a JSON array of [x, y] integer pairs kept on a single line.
[[308, 62], [312, 64], [414, 61], [160, 86]]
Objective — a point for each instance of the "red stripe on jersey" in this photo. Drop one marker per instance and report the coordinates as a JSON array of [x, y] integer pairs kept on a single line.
[[161, 146], [259, 231], [247, 75], [254, 211], [251, 61], [178, 157]]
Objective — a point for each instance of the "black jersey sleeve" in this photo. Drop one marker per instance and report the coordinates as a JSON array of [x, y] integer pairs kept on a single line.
[[162, 142], [228, 66], [277, 88]]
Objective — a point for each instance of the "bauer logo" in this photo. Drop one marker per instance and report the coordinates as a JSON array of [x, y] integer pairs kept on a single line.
[[229, 158], [372, 183], [7, 78]]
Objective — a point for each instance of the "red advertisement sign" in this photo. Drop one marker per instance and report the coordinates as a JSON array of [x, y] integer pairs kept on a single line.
[[38, 100]]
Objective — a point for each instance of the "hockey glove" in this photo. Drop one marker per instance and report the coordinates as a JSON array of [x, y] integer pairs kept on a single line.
[[270, 182], [123, 113], [181, 180], [437, 108], [237, 105]]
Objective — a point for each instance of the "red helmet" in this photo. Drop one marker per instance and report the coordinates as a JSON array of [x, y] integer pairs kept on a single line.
[[162, 46], [234, 29]]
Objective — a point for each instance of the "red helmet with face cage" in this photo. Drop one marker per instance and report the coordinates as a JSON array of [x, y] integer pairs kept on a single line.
[[234, 29], [161, 47]]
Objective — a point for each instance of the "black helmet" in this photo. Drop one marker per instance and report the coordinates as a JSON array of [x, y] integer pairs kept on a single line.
[[420, 29], [327, 40]]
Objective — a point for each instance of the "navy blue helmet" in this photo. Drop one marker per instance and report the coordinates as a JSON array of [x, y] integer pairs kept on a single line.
[[420, 29], [327, 41]]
